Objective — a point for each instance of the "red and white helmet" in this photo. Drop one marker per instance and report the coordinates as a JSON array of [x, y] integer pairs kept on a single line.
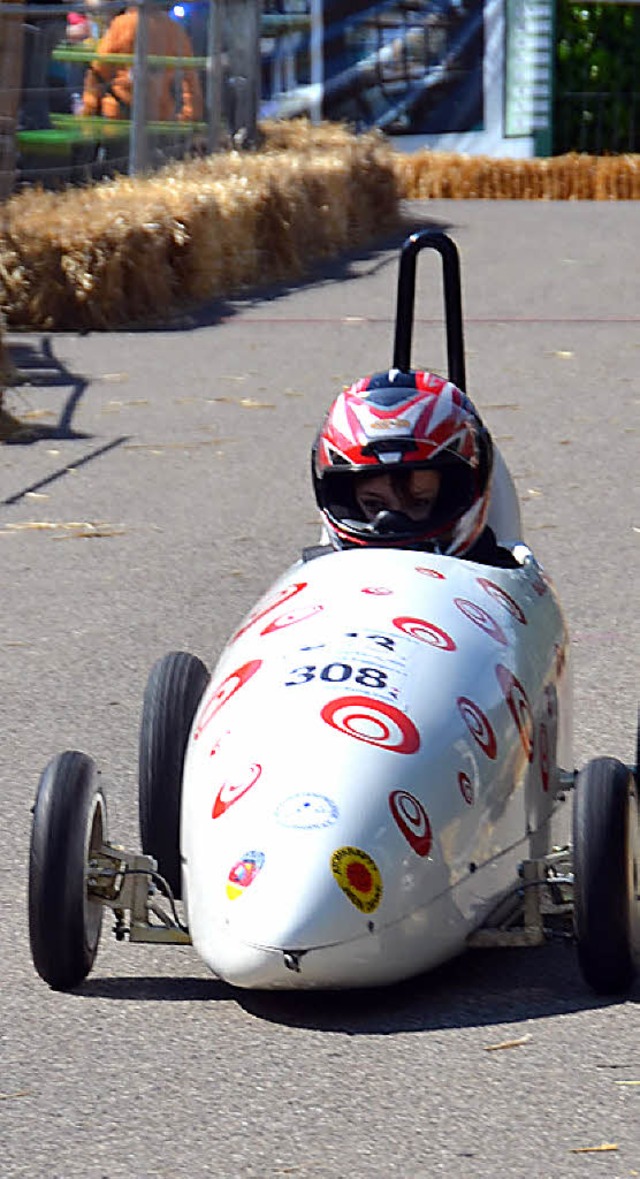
[[395, 422]]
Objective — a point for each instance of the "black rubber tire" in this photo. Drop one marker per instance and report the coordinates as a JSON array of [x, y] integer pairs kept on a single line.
[[606, 862], [69, 820], [174, 689]]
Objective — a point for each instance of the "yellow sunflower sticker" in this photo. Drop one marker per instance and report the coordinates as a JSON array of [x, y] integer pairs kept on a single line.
[[358, 876]]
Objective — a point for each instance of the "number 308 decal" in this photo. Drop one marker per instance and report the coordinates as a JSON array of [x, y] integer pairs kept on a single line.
[[338, 673]]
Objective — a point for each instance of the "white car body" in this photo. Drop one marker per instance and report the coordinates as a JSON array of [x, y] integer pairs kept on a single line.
[[377, 753]]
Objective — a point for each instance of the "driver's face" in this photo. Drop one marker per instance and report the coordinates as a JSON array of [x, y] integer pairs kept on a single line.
[[411, 492]]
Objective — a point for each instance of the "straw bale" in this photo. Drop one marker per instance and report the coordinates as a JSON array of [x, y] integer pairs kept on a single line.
[[130, 250], [574, 176]]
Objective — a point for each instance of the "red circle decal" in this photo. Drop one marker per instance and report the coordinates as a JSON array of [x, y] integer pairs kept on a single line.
[[499, 595], [373, 721], [426, 632], [288, 592], [478, 725], [482, 618], [228, 688], [465, 785], [359, 876], [430, 572], [412, 819], [232, 790], [518, 704], [299, 615]]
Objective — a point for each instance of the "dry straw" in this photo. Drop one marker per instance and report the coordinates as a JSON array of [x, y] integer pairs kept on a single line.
[[131, 250], [429, 175], [128, 250]]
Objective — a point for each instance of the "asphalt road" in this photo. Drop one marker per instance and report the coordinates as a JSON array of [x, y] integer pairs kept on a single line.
[[184, 453]]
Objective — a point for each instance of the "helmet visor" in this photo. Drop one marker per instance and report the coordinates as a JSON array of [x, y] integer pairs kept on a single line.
[[407, 505]]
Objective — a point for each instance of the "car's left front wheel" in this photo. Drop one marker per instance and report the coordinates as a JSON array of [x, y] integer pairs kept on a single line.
[[606, 852]]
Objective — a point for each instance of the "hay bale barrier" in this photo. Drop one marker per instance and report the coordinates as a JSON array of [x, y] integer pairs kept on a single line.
[[428, 175], [133, 250], [130, 251]]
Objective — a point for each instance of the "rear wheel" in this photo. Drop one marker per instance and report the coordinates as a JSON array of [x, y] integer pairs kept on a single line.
[[174, 689], [69, 826], [606, 849]]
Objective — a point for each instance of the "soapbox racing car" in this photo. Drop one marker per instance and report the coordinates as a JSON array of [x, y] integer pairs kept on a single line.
[[377, 775]]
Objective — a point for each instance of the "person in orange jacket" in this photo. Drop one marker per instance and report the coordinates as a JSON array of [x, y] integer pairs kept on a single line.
[[108, 89]]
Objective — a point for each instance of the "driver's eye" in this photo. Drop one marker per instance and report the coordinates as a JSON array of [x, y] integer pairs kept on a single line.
[[371, 507]]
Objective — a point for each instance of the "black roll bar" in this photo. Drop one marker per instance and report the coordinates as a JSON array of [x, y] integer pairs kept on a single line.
[[433, 240]]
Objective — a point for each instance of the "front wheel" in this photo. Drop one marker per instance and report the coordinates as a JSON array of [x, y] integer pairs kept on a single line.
[[69, 826], [606, 850], [174, 689]]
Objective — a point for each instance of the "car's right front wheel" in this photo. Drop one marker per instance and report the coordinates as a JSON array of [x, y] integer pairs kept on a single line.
[[174, 689]]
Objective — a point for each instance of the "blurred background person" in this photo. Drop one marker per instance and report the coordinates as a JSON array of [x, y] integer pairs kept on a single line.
[[80, 32], [172, 93]]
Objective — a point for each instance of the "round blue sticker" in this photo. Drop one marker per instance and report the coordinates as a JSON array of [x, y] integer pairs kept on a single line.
[[307, 811]]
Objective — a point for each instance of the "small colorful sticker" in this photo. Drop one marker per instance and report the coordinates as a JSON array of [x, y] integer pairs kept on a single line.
[[306, 812], [358, 876], [233, 788], [372, 721], [518, 705], [412, 819], [223, 693], [478, 725], [426, 632], [243, 873], [481, 618], [499, 595]]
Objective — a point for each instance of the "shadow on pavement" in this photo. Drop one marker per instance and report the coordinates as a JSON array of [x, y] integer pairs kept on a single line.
[[360, 262], [64, 470], [480, 989], [37, 365], [166, 989]]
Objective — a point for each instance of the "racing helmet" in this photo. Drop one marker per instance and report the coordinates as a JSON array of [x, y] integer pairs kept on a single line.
[[394, 423]]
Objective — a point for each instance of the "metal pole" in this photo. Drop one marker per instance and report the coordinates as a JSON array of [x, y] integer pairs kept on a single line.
[[243, 24], [317, 60], [138, 131], [428, 239], [213, 81]]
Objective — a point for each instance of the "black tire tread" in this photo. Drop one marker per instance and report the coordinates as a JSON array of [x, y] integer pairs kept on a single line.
[[62, 950], [601, 902], [174, 689]]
